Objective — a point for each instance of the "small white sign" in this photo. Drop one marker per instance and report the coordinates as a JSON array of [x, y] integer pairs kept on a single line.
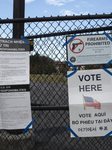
[[89, 49], [90, 102]]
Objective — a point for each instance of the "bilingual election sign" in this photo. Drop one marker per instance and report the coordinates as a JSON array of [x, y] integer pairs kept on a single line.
[[15, 108], [90, 102], [89, 49]]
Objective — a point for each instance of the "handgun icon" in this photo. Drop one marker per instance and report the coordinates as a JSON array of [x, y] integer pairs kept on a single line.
[[75, 44]]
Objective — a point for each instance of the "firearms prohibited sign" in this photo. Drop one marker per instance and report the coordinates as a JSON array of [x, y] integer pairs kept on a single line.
[[89, 49]]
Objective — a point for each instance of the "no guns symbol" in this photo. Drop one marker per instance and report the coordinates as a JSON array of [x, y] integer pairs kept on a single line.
[[76, 46]]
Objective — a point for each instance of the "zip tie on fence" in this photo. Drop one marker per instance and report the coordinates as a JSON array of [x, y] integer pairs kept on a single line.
[[106, 65], [23, 38], [72, 131], [24, 131], [74, 68], [69, 40], [107, 134], [108, 36]]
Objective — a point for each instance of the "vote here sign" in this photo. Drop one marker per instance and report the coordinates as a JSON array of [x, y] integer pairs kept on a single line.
[[89, 49], [90, 102]]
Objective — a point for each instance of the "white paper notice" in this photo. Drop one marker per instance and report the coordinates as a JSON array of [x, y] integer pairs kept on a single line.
[[90, 102], [14, 68], [15, 110]]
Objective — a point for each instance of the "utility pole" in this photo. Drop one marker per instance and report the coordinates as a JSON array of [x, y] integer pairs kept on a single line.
[[18, 12]]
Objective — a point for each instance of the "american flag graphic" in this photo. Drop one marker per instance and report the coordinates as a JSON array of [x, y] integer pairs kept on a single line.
[[90, 102]]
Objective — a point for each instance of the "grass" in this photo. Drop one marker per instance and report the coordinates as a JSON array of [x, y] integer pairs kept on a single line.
[[55, 78]]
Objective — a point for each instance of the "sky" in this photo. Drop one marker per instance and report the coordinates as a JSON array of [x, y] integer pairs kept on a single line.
[[49, 8]]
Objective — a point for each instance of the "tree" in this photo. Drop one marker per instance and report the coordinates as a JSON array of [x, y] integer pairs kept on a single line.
[[41, 64]]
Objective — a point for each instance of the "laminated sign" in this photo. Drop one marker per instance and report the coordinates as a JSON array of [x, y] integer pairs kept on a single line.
[[90, 102], [89, 49], [15, 108]]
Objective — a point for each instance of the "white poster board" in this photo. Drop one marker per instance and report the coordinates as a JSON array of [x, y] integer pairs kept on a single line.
[[15, 107], [90, 102], [89, 49]]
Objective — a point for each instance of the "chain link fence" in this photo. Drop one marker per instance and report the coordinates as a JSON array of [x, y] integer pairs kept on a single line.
[[48, 84]]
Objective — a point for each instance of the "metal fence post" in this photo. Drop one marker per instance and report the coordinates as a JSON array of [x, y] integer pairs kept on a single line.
[[18, 12]]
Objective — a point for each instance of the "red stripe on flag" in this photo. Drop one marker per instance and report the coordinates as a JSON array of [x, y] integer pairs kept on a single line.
[[96, 104]]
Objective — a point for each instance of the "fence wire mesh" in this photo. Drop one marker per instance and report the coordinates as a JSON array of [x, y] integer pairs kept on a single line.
[[48, 86]]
